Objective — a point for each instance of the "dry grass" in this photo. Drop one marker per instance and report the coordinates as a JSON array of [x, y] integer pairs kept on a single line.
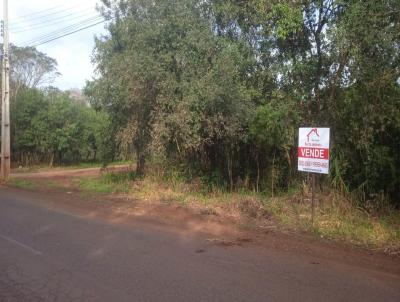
[[340, 219], [336, 218]]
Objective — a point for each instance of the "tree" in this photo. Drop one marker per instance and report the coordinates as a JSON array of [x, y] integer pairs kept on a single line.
[[48, 126], [366, 113], [30, 68], [273, 130], [168, 82], [340, 61]]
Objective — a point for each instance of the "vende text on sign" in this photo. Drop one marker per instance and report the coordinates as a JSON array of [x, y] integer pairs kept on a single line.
[[313, 150]]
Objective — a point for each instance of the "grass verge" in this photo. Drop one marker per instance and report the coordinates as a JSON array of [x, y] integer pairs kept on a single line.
[[337, 218], [22, 183], [107, 183]]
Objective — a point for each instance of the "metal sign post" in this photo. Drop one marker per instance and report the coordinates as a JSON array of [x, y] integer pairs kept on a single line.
[[313, 156], [312, 197]]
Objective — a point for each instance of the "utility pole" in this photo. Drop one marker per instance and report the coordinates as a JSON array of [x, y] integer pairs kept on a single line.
[[5, 100]]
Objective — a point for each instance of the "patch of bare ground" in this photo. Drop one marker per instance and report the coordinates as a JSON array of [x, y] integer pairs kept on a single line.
[[61, 174]]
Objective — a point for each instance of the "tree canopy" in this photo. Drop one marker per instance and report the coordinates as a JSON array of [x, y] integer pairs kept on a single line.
[[47, 124], [31, 68]]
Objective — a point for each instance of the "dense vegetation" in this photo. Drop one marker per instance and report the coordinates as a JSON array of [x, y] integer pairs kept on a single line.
[[51, 127], [220, 87], [48, 125]]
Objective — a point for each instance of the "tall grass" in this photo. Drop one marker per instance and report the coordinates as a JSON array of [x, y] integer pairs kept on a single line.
[[107, 183], [340, 214]]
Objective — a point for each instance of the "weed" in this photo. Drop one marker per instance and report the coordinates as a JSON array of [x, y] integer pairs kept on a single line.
[[108, 183], [120, 178], [55, 185], [95, 185], [339, 220], [85, 165], [22, 183]]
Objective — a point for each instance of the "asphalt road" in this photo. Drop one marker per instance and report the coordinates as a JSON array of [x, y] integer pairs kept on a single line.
[[49, 255]]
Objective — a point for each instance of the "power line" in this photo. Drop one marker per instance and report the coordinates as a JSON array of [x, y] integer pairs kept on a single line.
[[61, 18], [17, 26], [45, 11], [70, 33], [67, 28], [48, 24], [62, 30]]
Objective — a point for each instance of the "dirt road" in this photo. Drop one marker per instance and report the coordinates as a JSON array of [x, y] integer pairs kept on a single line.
[[96, 171], [53, 254]]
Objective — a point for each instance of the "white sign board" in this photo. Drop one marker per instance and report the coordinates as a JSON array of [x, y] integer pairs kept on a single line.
[[313, 150]]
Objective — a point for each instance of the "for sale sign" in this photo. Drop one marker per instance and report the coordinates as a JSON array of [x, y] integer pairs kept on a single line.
[[313, 150]]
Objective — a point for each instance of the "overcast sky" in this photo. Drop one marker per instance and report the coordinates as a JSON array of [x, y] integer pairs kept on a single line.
[[30, 19]]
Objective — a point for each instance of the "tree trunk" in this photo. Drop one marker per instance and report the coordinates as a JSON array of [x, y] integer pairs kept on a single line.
[[140, 162], [230, 173], [273, 175], [51, 160], [258, 173]]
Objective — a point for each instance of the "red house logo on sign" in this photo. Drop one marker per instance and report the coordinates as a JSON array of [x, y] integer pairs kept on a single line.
[[313, 135], [313, 150]]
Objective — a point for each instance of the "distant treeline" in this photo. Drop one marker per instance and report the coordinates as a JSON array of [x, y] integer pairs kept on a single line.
[[48, 126]]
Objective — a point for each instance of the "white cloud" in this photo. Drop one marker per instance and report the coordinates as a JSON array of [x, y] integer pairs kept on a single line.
[[32, 19]]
